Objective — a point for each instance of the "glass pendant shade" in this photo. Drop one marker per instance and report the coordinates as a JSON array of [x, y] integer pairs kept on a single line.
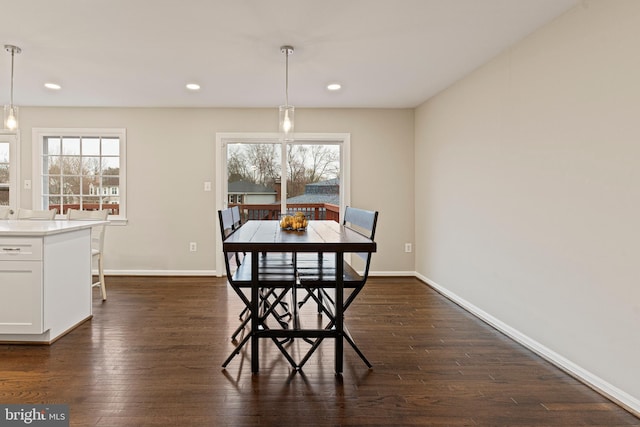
[[287, 114], [10, 117]]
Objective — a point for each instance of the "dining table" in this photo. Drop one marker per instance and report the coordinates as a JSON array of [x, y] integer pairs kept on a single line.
[[320, 236]]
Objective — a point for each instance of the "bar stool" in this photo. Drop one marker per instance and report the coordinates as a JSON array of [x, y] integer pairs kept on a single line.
[[97, 241]]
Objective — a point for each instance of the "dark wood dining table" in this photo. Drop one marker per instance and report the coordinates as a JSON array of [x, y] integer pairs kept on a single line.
[[259, 237]]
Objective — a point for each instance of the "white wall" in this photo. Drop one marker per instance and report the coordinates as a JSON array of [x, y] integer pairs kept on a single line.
[[528, 193], [171, 153]]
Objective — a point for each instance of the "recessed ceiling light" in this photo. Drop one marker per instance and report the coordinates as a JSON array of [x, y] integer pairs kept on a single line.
[[193, 86], [53, 86], [334, 86]]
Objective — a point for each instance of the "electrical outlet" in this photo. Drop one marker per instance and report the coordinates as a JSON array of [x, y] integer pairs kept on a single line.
[[207, 186], [193, 246], [407, 247], [27, 184]]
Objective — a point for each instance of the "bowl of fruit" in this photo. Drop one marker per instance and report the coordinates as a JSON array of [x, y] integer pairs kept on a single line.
[[297, 222]]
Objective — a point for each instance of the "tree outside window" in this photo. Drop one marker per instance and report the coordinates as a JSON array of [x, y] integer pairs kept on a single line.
[[306, 164]]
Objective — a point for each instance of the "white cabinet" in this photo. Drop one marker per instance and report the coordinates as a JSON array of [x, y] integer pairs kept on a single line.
[[21, 292], [20, 297], [45, 279]]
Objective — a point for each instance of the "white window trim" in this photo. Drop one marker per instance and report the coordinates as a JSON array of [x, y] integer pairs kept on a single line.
[[224, 138], [37, 136]]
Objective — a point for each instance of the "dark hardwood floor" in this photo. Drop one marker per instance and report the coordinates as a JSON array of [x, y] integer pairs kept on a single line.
[[152, 355]]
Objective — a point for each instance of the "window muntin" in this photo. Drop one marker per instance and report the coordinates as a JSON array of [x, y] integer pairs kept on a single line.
[[81, 170]]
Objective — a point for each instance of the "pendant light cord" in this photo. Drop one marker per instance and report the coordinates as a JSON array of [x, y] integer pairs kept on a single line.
[[13, 51], [286, 78]]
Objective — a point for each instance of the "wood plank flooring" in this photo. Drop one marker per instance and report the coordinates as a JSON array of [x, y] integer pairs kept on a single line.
[[152, 355]]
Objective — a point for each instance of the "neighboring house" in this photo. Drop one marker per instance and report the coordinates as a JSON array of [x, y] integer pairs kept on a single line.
[[319, 192], [244, 192], [110, 190]]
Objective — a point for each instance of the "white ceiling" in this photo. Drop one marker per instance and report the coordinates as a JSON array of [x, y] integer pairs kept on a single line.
[[385, 53]]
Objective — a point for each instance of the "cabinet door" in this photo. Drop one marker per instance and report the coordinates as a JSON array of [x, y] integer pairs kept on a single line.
[[21, 297]]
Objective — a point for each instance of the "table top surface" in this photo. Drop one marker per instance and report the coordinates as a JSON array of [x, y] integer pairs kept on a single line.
[[42, 227], [320, 236]]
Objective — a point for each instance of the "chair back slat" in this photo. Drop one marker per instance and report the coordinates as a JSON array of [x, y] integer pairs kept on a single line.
[[5, 211], [363, 222], [228, 227], [235, 214], [226, 223], [36, 214]]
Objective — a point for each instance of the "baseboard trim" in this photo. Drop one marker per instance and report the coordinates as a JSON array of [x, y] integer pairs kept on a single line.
[[160, 273], [620, 397], [392, 274], [215, 273]]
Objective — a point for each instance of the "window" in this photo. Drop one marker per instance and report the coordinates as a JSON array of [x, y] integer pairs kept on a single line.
[[80, 169], [311, 170], [8, 169], [225, 172], [310, 174]]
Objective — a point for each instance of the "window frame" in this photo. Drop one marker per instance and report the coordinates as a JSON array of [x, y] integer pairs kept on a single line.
[[38, 136], [13, 138], [224, 138]]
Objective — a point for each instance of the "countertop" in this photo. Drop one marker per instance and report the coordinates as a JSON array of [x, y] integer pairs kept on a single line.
[[35, 228]]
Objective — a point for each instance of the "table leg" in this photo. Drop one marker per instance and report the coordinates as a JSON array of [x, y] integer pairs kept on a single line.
[[294, 293], [255, 306], [339, 310]]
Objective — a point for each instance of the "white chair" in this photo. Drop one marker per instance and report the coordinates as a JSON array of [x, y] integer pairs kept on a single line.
[[97, 241], [35, 214], [5, 211]]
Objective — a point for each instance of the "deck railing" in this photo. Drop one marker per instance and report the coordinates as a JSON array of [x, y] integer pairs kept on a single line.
[[113, 208], [270, 211]]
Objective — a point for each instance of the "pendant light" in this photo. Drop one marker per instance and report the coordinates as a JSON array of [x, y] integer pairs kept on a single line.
[[11, 111], [287, 111]]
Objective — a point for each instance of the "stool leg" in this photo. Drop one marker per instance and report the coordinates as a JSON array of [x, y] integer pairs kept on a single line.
[[103, 287]]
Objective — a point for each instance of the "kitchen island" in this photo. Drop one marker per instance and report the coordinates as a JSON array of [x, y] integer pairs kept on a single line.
[[45, 279]]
